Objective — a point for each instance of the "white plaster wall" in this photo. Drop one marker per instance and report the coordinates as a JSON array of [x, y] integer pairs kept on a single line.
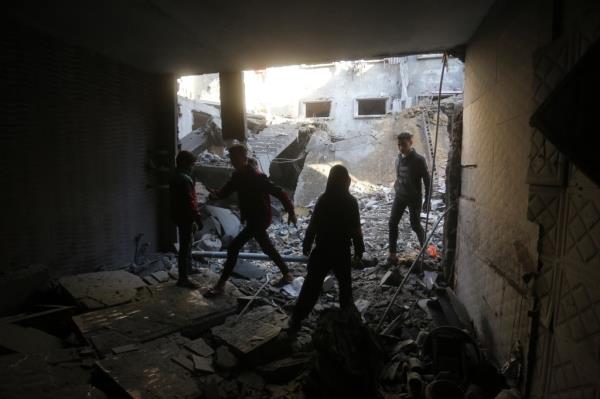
[[494, 194]]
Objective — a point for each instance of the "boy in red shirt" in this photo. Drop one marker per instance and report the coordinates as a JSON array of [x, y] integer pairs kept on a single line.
[[253, 189]]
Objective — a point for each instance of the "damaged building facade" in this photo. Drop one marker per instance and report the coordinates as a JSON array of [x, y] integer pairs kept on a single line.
[[88, 269]]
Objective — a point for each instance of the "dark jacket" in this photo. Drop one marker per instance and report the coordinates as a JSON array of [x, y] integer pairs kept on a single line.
[[410, 170], [184, 205], [253, 189], [335, 223]]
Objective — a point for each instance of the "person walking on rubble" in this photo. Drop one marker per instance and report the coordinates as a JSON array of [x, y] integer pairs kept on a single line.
[[253, 189], [334, 226], [185, 214], [411, 168]]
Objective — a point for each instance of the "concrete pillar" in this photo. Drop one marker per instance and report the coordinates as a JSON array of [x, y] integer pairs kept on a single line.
[[233, 105]]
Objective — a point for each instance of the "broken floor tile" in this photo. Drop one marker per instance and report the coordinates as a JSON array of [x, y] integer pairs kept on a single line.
[[253, 333], [159, 369], [168, 309], [200, 347], [202, 363], [161, 276], [282, 370], [102, 289]]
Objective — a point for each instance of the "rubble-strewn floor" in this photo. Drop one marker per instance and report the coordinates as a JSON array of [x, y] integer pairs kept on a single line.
[[145, 348]]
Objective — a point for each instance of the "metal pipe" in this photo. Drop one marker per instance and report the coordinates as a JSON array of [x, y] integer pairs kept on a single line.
[[248, 255]]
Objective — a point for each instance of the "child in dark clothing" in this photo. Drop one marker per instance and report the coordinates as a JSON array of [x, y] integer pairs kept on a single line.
[[253, 189], [334, 226], [185, 214]]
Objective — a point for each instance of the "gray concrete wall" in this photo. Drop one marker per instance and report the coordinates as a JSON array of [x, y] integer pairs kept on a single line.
[[79, 133]]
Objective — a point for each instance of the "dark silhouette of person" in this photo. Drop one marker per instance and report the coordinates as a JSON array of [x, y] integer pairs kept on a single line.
[[185, 214], [333, 227], [411, 168], [253, 189]]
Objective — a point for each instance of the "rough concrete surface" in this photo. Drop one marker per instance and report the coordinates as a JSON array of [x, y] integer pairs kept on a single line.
[[101, 289]]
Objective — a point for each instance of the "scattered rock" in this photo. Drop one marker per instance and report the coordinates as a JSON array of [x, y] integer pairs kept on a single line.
[[224, 359]]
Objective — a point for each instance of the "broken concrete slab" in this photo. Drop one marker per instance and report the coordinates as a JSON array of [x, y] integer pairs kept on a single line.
[[168, 309], [229, 223], [26, 339], [203, 364], [248, 270], [224, 359], [392, 277], [124, 349], [102, 289], [200, 347], [152, 371], [253, 336]]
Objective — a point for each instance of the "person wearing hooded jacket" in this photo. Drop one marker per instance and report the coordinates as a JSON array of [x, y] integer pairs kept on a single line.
[[334, 226]]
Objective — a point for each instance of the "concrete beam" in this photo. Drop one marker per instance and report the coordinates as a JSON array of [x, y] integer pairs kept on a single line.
[[233, 105]]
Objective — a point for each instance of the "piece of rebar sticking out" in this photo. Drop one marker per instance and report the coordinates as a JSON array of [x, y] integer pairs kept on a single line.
[[415, 384]]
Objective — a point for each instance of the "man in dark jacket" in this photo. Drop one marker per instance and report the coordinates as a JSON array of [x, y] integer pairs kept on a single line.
[[185, 214], [253, 189], [411, 169]]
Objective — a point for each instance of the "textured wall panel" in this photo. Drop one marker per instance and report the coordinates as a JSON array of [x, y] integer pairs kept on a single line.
[[497, 243], [77, 131]]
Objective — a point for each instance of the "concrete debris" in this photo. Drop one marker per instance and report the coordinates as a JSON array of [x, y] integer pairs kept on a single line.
[[124, 348], [18, 285], [248, 270], [392, 277], [210, 242], [102, 289], [161, 276], [168, 309], [159, 369], [203, 364], [224, 359], [328, 283], [293, 289], [19, 339], [253, 336], [200, 347], [229, 224]]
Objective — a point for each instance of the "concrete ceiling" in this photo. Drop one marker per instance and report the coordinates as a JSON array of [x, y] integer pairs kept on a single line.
[[192, 37]]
